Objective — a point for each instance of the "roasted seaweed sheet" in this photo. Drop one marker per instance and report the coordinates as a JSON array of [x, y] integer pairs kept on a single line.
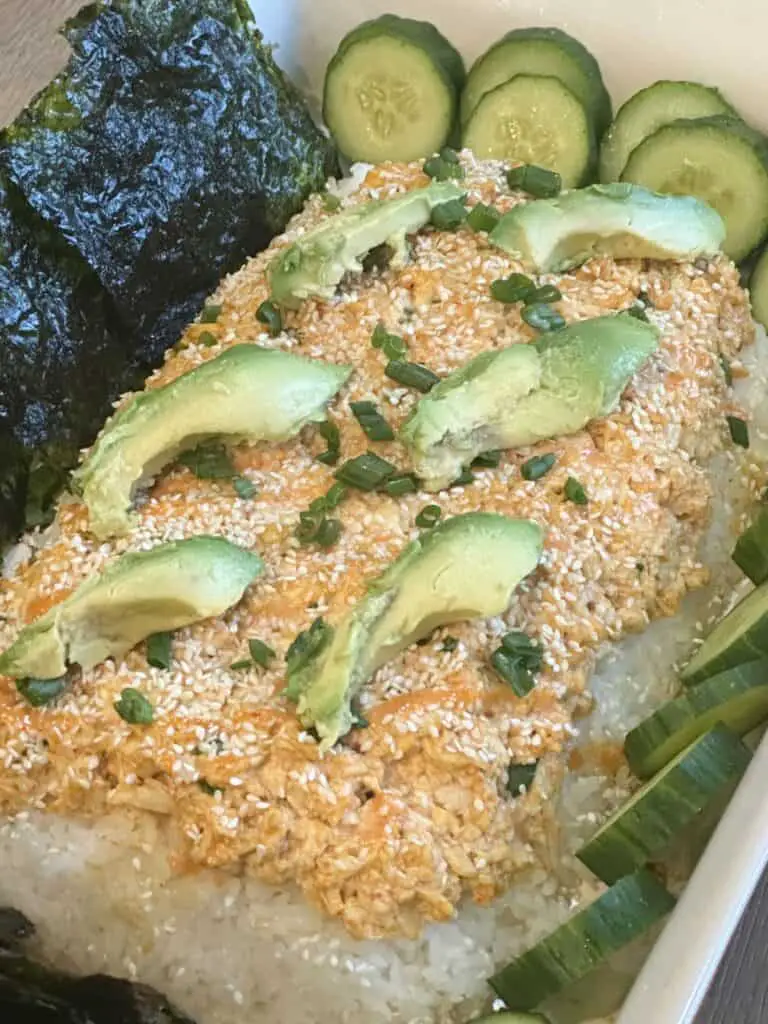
[[170, 149], [31, 993]]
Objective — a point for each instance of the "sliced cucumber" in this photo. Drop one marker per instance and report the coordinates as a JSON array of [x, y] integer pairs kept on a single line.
[[581, 945], [718, 159], [758, 289], [737, 697], [540, 51], [751, 551], [741, 637], [647, 111], [645, 826], [392, 90], [534, 120]]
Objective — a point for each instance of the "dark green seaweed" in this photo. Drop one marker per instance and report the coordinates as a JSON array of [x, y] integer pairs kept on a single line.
[[31, 993], [169, 149]]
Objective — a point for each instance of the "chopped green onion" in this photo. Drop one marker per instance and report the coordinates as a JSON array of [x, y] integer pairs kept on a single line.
[[207, 787], [373, 423], [366, 472], [515, 288], [546, 293], [308, 644], [210, 314], [392, 345], [487, 460], [645, 299], [537, 466], [449, 155], [244, 488], [520, 645], [159, 650], [39, 692], [332, 437], [520, 777], [450, 643], [466, 476], [727, 374], [441, 169], [331, 201], [335, 495], [399, 485], [208, 462], [134, 707], [428, 517], [207, 338], [543, 317], [536, 181], [328, 532], [483, 217], [243, 663], [448, 216], [512, 671], [575, 492], [411, 375], [261, 653], [637, 311], [268, 313], [359, 721], [739, 431]]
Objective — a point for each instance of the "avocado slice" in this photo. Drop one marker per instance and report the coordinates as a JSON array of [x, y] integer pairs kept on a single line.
[[246, 393], [525, 393], [622, 221], [143, 592], [465, 568], [318, 260]]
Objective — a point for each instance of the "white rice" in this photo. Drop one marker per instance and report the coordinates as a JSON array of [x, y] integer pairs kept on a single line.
[[229, 950]]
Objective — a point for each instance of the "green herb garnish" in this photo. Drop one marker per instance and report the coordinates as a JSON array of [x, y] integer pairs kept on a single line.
[[366, 472], [428, 517], [411, 375], [208, 462], [466, 476], [520, 645], [515, 288], [307, 645], [242, 663], [372, 422], [542, 317], [134, 707], [261, 653], [487, 460], [399, 485], [210, 314], [445, 166], [726, 367], [244, 488], [392, 345], [159, 650], [575, 492], [206, 787], [483, 217], [517, 660], [335, 495], [331, 435], [314, 525], [637, 311], [328, 532], [448, 216], [269, 314], [546, 293], [207, 338], [39, 692], [739, 431], [450, 643], [536, 181], [537, 466], [520, 777]]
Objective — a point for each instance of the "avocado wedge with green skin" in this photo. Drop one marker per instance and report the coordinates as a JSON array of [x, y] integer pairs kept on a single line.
[[141, 593], [621, 221], [525, 393], [246, 393], [315, 263], [467, 567]]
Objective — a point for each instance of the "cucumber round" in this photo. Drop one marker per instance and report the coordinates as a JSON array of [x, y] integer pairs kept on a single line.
[[644, 827], [543, 52], [758, 289], [648, 110], [534, 120], [751, 551], [575, 949], [718, 159], [741, 637], [392, 90], [738, 698]]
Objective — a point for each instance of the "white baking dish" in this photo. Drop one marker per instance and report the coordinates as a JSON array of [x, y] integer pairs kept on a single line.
[[636, 44]]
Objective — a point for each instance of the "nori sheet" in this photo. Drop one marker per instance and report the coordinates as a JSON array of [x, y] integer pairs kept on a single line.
[[170, 149], [32, 993]]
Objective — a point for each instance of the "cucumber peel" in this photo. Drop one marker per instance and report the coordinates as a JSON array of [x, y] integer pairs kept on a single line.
[[740, 637], [758, 289], [751, 550]]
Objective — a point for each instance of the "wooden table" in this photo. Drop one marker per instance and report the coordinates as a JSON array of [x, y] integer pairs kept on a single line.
[[30, 54]]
